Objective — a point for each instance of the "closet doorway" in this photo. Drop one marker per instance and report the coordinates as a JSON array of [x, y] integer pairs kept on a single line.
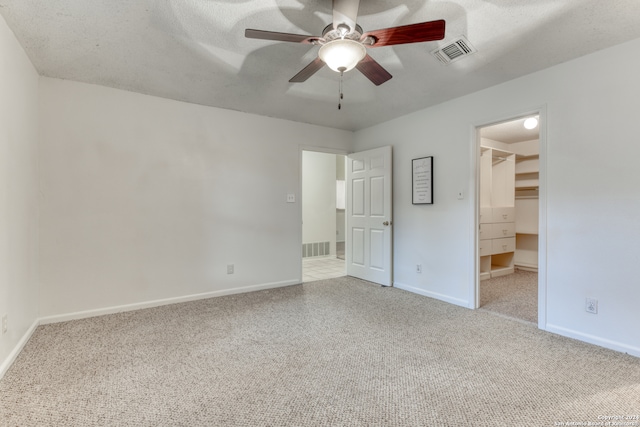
[[323, 215], [508, 218]]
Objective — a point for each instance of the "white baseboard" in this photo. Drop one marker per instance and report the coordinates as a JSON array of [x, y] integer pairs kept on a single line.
[[592, 339], [6, 364], [434, 295], [157, 303], [526, 267]]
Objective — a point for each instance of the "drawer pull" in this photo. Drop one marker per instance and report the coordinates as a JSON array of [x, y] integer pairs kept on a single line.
[[504, 232], [504, 216], [504, 247]]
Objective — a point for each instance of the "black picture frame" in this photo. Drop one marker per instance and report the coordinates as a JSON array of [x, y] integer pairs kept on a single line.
[[422, 181]]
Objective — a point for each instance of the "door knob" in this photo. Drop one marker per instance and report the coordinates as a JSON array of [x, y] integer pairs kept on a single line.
[[386, 223]]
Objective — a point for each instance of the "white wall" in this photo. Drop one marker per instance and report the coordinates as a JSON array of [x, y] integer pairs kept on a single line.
[[593, 197], [319, 198], [18, 195], [146, 199]]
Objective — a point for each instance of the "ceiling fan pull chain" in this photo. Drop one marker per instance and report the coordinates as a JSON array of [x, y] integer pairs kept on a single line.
[[340, 88]]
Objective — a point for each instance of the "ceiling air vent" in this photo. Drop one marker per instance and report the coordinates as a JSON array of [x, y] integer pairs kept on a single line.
[[454, 51]]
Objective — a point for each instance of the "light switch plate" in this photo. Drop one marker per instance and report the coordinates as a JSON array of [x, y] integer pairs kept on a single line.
[[291, 198]]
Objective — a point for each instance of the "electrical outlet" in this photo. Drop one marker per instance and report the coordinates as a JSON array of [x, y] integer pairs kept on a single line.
[[229, 268], [591, 305], [418, 268], [5, 324]]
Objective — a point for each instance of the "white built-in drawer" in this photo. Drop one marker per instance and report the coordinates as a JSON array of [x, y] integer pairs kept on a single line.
[[484, 247], [485, 232], [507, 214], [500, 246], [503, 229], [486, 215]]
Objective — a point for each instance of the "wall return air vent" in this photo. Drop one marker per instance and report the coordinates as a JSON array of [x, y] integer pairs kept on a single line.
[[454, 51]]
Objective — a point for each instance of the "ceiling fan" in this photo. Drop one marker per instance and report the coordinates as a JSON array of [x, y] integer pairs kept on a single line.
[[343, 44]]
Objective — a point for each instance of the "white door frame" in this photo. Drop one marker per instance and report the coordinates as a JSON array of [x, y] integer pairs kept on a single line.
[[474, 288]]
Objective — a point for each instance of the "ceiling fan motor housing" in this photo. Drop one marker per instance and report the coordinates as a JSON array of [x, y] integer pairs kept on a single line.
[[329, 33]]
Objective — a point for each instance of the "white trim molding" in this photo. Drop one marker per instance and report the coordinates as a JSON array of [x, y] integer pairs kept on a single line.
[[6, 364], [160, 302], [593, 339], [434, 295]]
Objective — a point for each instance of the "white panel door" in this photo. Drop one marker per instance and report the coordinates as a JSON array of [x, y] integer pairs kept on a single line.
[[369, 207]]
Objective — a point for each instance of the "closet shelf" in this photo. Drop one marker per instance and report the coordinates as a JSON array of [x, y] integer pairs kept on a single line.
[[528, 193], [527, 156], [527, 185]]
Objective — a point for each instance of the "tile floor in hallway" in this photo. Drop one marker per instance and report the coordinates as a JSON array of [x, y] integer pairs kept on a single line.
[[322, 268]]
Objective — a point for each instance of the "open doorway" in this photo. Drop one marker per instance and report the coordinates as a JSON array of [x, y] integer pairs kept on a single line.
[[323, 216], [509, 206]]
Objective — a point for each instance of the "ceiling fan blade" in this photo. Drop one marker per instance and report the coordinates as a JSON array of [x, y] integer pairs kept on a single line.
[[373, 71], [308, 71], [345, 12], [283, 37], [413, 33]]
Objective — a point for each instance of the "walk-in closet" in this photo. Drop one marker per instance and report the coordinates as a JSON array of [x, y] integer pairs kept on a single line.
[[508, 218]]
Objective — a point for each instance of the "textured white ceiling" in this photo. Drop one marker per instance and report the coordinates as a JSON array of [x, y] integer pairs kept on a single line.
[[511, 131], [195, 50]]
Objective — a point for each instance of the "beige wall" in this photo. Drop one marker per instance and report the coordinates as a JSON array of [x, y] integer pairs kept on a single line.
[[18, 195]]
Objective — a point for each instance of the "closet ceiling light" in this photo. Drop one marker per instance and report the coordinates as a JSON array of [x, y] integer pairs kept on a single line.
[[531, 123]]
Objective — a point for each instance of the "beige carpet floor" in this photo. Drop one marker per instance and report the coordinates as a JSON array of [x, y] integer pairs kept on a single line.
[[339, 352], [514, 295]]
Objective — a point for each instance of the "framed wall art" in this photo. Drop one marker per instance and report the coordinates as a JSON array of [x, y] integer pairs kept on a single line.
[[422, 180]]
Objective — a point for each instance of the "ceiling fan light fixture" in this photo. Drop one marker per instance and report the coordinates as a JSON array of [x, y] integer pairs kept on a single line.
[[342, 54]]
